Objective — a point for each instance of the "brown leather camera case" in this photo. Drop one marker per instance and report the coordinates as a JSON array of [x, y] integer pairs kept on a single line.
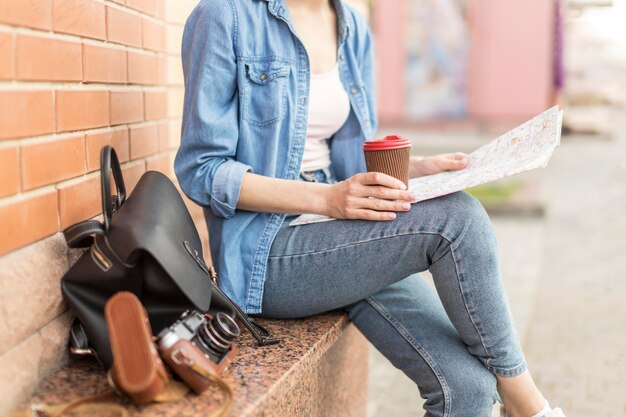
[[137, 368], [184, 356]]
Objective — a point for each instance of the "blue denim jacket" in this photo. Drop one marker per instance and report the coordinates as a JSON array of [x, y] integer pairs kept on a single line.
[[245, 110]]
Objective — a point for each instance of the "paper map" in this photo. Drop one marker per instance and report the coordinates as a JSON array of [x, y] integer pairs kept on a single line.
[[527, 147]]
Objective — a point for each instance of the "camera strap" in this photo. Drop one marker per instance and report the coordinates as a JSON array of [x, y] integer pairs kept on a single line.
[[227, 403], [100, 403], [227, 391], [103, 403]]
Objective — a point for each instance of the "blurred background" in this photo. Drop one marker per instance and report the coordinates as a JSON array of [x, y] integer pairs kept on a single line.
[[455, 74], [452, 75]]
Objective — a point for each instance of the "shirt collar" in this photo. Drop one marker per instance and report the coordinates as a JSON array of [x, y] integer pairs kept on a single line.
[[343, 21]]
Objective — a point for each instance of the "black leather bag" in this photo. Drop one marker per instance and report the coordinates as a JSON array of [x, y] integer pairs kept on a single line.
[[146, 244]]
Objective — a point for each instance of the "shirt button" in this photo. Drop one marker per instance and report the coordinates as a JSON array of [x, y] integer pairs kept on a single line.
[[341, 56], [263, 77], [354, 90]]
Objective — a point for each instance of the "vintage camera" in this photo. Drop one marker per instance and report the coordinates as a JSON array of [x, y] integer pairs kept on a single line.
[[198, 343]]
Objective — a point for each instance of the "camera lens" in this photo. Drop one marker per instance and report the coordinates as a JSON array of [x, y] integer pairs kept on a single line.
[[219, 333], [226, 326]]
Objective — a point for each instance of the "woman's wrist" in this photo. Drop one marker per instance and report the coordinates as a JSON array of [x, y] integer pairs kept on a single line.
[[319, 198]]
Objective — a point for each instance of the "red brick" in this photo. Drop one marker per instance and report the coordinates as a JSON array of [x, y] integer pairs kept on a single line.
[[175, 101], [28, 13], [123, 27], [175, 127], [79, 17], [154, 8], [132, 172], [173, 71], [52, 161], [78, 110], [156, 105], [153, 35], [144, 141], [106, 65], [126, 107], [48, 59], [7, 57], [116, 138], [79, 201], [144, 6], [27, 220], [162, 163], [26, 113], [142, 68], [161, 70], [159, 11], [164, 137], [9, 173]]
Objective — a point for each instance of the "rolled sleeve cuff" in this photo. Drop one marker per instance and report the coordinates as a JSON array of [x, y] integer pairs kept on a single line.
[[226, 187]]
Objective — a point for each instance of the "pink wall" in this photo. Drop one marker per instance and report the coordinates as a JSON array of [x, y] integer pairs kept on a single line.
[[387, 22], [510, 68], [511, 58]]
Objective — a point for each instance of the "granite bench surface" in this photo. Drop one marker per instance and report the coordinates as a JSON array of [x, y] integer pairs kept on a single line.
[[255, 375]]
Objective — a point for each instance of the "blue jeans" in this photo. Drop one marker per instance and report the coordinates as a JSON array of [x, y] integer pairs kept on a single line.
[[451, 343]]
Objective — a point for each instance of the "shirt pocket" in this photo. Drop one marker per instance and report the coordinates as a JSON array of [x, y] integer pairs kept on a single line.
[[265, 92]]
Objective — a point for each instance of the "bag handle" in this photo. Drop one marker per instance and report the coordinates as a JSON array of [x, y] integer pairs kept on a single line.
[[110, 163], [81, 234]]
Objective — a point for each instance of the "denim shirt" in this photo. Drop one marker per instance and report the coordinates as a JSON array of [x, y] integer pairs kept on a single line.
[[245, 110]]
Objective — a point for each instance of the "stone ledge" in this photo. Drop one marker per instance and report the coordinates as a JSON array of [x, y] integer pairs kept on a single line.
[[320, 368]]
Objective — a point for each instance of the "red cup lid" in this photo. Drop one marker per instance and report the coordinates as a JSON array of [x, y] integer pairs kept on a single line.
[[387, 143]]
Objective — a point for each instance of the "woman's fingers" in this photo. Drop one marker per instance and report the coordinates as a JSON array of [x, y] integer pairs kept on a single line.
[[450, 161], [370, 196], [386, 193], [459, 160], [383, 186], [378, 178], [364, 214], [383, 205]]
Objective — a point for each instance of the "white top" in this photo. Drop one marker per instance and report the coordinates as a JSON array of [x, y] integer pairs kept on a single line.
[[329, 108]]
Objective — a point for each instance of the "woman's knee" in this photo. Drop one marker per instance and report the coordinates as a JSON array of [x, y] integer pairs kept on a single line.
[[467, 217], [457, 215], [465, 206]]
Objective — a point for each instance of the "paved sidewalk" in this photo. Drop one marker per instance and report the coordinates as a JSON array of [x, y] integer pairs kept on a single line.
[[577, 344], [565, 278]]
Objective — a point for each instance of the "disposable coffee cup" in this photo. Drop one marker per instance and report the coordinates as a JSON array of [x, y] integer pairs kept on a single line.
[[389, 155]]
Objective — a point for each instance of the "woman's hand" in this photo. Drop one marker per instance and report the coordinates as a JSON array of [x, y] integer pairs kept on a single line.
[[420, 166], [368, 196]]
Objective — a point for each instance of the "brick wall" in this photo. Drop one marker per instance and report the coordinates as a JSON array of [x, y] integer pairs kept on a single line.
[[74, 75]]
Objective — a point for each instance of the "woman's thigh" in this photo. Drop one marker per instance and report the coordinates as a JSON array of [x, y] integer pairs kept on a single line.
[[324, 266], [366, 268]]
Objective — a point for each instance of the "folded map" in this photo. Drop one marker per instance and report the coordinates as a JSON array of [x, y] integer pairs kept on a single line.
[[527, 147]]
